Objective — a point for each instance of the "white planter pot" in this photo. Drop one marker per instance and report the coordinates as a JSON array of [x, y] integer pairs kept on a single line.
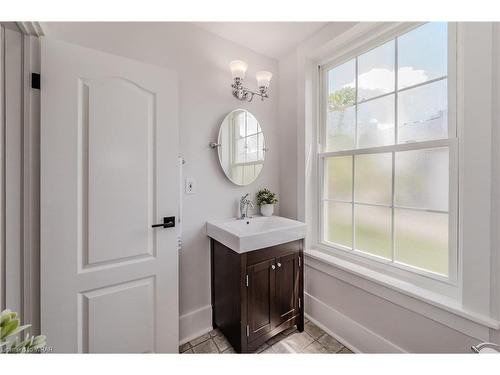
[[267, 209]]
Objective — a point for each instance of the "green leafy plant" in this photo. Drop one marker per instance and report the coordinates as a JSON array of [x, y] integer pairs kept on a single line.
[[341, 99], [266, 196], [10, 342]]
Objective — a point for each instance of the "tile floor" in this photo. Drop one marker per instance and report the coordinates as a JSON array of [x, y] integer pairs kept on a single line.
[[312, 340]]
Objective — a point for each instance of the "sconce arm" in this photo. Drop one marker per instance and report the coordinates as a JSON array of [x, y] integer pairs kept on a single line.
[[242, 93]]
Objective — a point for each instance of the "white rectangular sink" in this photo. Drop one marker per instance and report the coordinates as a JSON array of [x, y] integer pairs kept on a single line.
[[255, 233]]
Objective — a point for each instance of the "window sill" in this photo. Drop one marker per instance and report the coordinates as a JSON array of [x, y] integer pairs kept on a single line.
[[443, 309]]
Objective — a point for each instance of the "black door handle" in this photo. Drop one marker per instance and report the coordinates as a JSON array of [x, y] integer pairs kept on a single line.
[[168, 222]]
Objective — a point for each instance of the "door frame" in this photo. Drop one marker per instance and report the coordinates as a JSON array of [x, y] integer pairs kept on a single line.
[[31, 185], [27, 287]]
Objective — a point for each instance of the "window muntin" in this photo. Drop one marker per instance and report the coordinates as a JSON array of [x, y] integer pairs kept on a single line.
[[386, 139]]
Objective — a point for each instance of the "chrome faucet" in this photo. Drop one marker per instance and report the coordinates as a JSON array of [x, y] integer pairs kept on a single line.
[[244, 203]]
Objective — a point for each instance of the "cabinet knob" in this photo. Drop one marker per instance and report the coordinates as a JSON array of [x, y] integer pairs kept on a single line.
[[273, 266], [279, 264]]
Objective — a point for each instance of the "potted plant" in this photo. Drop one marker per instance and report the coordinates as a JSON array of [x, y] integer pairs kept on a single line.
[[266, 200], [10, 342]]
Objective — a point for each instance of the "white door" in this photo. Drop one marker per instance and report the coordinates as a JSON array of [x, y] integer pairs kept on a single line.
[[109, 136]]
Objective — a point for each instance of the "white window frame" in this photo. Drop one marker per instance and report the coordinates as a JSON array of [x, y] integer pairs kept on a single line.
[[446, 285]]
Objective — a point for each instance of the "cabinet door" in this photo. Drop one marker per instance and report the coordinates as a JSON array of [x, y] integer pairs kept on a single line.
[[261, 291], [286, 301]]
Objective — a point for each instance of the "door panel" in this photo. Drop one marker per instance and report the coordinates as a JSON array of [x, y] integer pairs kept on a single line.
[[109, 282], [261, 292], [108, 310], [120, 146], [287, 288]]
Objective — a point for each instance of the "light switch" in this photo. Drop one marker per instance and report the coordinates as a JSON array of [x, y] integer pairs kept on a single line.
[[190, 186]]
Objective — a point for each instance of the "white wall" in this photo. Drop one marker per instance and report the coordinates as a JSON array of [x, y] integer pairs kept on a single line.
[[201, 60], [361, 313], [288, 135]]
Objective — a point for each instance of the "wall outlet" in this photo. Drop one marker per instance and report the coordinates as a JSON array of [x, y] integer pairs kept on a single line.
[[190, 186]]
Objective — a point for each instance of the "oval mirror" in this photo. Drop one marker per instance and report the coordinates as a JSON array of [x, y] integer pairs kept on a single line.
[[241, 147]]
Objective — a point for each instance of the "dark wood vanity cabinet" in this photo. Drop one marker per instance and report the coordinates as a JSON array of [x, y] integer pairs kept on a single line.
[[258, 294]]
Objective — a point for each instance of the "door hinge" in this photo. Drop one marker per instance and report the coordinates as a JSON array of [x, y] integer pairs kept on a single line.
[[299, 303], [299, 261], [35, 81], [247, 280], [248, 330]]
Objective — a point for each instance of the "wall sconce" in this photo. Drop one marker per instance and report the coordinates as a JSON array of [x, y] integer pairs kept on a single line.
[[238, 70]]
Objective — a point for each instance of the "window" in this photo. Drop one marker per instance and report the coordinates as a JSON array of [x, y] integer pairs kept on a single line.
[[388, 152]]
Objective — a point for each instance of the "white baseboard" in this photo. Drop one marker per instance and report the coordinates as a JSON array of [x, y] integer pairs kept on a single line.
[[194, 324], [349, 332]]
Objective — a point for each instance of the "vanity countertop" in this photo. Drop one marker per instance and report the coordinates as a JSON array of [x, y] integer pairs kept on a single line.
[[243, 235]]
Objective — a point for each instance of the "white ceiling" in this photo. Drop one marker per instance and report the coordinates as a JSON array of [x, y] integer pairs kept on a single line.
[[272, 39]]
